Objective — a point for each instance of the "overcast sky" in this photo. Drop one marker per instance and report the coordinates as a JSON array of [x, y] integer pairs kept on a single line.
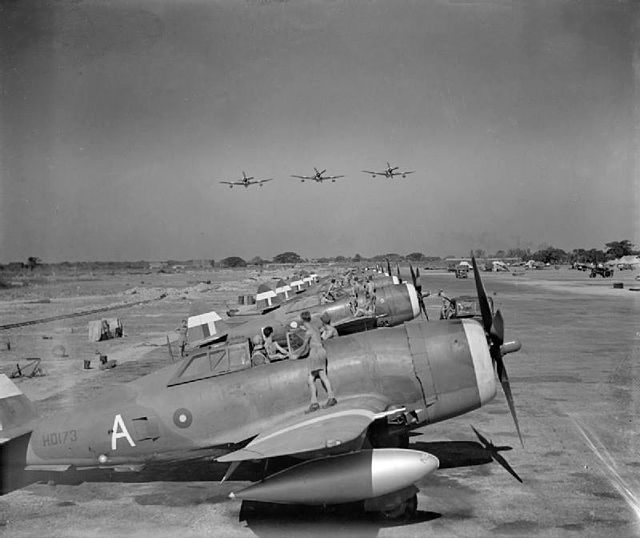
[[120, 118]]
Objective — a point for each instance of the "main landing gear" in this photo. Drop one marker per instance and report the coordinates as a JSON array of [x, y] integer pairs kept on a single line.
[[405, 510]]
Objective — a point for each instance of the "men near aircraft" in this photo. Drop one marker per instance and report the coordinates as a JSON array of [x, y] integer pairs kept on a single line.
[[317, 362], [327, 330], [275, 352], [182, 332], [329, 295], [370, 287]]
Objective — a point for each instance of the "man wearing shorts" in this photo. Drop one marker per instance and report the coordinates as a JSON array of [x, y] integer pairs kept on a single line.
[[317, 362]]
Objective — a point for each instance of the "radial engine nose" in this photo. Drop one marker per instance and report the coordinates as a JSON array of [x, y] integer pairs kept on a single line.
[[413, 297], [482, 363]]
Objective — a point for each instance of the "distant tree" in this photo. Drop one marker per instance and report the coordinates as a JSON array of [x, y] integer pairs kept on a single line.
[[595, 255], [257, 260], [523, 254], [392, 256], [340, 259], [479, 253], [500, 254], [323, 260], [415, 256], [617, 249], [233, 261], [212, 263], [287, 257], [550, 255], [357, 258], [32, 261]]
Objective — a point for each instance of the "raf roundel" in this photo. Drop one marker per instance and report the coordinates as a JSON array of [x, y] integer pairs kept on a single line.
[[182, 418]]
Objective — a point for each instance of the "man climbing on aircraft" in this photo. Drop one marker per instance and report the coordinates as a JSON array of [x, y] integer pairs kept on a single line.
[[317, 362]]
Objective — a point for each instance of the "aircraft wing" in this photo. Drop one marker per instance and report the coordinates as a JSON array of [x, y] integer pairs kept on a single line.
[[303, 177], [264, 180], [407, 173], [230, 183], [324, 429], [332, 177]]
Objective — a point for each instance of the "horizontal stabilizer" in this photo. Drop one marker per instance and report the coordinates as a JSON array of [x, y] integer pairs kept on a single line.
[[16, 411]]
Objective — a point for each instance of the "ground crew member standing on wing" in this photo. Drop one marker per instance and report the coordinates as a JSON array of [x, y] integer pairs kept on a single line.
[[317, 363]]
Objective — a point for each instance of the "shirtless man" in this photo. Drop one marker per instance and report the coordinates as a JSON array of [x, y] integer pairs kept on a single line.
[[327, 330], [275, 352], [317, 362]]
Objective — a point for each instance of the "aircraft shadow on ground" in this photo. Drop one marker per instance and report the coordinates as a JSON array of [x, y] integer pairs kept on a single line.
[[276, 520], [452, 454]]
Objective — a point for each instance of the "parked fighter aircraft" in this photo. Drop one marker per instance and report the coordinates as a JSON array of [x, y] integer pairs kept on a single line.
[[213, 404], [389, 173], [394, 304], [246, 181], [318, 177]]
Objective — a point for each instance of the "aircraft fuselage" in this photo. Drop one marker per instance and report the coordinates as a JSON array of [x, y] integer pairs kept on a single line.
[[435, 371]]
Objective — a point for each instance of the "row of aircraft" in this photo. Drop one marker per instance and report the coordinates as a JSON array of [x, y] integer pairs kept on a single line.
[[391, 377], [319, 176]]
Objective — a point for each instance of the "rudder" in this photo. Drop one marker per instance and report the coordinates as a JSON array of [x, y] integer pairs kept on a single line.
[[16, 410]]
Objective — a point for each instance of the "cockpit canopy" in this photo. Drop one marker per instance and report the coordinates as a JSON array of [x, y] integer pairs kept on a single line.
[[214, 360]]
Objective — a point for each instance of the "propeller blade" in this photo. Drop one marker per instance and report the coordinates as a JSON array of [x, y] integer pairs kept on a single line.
[[485, 309], [494, 327], [482, 438], [388, 267], [398, 272], [494, 453], [497, 329], [506, 387], [497, 457]]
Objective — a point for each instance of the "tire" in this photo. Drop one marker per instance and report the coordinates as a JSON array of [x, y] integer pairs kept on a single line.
[[405, 510]]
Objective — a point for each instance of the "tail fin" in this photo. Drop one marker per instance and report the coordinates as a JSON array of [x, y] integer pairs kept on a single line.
[[16, 411], [206, 328]]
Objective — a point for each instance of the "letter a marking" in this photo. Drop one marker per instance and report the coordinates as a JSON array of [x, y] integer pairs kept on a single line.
[[118, 424]]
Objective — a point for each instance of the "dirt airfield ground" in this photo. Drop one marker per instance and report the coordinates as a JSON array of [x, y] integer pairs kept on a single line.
[[575, 384]]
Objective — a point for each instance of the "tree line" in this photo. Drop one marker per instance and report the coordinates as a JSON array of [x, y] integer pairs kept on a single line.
[[546, 254]]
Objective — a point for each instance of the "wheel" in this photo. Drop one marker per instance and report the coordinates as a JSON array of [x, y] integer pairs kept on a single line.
[[405, 510]]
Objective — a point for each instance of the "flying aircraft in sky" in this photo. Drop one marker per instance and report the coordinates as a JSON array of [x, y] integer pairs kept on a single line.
[[318, 177], [246, 181], [390, 172], [215, 405]]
